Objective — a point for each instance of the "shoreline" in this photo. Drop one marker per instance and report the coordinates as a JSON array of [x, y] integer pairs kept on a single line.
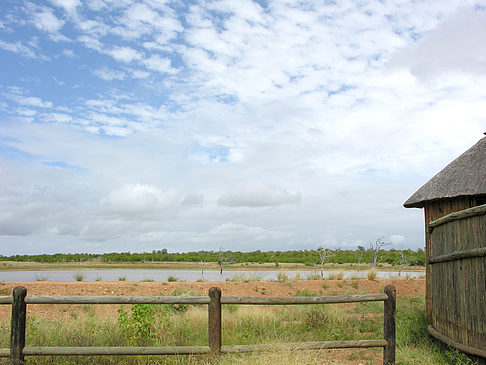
[[208, 266]]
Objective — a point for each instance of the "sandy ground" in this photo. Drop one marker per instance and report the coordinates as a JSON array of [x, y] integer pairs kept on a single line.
[[408, 288]]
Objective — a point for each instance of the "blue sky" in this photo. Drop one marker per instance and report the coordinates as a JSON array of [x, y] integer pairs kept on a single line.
[[242, 125]]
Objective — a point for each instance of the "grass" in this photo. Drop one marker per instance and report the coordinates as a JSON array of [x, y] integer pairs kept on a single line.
[[172, 279], [372, 274], [41, 276], [283, 277], [78, 276], [336, 275], [122, 278], [166, 325], [243, 278]]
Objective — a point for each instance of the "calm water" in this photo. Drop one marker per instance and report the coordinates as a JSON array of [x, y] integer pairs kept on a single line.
[[181, 275]]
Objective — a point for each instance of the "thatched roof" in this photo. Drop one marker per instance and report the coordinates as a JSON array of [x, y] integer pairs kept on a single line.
[[465, 176]]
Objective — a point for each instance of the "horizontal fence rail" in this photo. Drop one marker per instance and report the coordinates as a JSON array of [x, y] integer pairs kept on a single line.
[[19, 301], [458, 255]]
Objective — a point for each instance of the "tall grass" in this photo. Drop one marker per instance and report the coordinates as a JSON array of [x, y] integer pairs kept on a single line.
[[41, 276], [242, 277], [282, 276], [78, 276], [164, 325], [372, 274], [336, 275]]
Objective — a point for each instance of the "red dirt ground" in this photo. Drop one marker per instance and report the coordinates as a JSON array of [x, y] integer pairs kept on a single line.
[[407, 288]]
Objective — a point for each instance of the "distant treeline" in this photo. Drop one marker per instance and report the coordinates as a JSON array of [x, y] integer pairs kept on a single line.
[[307, 257]]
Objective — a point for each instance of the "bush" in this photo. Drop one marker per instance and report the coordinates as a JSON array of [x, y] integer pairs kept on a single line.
[[78, 276], [372, 274], [282, 276]]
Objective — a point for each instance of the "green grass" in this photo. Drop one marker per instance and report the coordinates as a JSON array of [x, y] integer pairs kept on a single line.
[[168, 325]]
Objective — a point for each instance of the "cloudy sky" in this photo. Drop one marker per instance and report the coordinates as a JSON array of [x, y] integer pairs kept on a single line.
[[242, 125]]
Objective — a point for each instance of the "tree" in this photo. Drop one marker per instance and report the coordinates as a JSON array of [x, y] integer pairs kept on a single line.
[[359, 256], [324, 255], [404, 260], [224, 258], [376, 251]]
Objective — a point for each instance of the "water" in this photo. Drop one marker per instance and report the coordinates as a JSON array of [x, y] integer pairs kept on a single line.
[[184, 275]]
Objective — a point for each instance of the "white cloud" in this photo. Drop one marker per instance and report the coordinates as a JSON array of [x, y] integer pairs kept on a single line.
[[91, 42], [124, 54], [57, 118], [140, 74], [228, 231], [456, 44], [68, 5], [32, 101], [68, 53], [192, 199], [159, 64], [109, 74], [47, 21], [133, 199], [397, 239], [258, 195], [18, 48]]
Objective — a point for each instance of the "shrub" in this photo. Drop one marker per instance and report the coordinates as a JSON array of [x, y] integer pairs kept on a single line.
[[282, 276], [137, 324], [78, 276], [41, 276], [172, 279], [372, 274], [314, 277], [336, 275]]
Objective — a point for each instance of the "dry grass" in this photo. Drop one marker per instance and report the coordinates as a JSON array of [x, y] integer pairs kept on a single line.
[[372, 274]]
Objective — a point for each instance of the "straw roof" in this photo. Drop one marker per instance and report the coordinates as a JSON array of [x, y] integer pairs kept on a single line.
[[465, 176]]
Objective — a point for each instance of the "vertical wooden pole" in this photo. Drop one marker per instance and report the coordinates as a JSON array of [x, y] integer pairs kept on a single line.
[[389, 325], [214, 326], [17, 332]]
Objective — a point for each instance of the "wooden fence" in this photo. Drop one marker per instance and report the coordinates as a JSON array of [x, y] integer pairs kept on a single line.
[[457, 280], [19, 301]]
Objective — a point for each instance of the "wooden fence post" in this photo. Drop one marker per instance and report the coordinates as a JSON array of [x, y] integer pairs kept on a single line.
[[214, 326], [17, 332], [389, 325]]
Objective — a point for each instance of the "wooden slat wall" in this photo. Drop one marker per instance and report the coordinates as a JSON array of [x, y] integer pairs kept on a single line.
[[458, 288], [432, 211]]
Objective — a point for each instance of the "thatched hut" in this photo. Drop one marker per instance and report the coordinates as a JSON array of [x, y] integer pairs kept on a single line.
[[454, 203]]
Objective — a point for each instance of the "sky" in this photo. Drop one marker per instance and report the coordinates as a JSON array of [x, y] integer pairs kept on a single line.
[[235, 125]]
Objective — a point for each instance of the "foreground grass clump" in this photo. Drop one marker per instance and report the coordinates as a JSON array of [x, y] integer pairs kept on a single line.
[[186, 325]]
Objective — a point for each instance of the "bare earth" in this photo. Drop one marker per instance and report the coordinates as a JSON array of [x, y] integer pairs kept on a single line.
[[408, 288]]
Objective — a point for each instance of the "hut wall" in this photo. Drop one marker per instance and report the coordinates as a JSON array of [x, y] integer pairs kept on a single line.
[[458, 286], [434, 210]]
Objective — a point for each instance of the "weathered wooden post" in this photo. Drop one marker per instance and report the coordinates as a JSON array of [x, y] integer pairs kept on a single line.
[[214, 326], [17, 332], [389, 325]]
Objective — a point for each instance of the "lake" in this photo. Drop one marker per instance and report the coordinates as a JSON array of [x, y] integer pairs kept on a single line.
[[185, 275]]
